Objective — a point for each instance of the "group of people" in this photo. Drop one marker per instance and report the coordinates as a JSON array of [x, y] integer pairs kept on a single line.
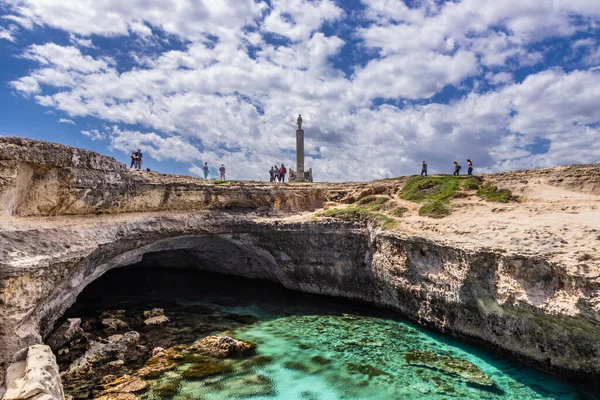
[[206, 170], [136, 159], [277, 174], [457, 168]]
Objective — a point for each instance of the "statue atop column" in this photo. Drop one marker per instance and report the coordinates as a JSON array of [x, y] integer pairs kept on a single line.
[[299, 121]]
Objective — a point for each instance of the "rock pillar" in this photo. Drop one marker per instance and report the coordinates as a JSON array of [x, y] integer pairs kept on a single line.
[[300, 155]]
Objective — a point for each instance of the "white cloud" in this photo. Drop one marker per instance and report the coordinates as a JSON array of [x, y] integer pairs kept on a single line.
[[94, 134], [153, 145], [81, 42], [190, 19], [8, 33], [297, 19], [499, 78], [66, 121], [414, 76], [232, 98]]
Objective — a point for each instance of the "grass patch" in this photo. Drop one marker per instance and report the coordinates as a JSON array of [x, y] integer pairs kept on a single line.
[[373, 203], [430, 188], [435, 192], [490, 192], [470, 184], [435, 209], [359, 214]]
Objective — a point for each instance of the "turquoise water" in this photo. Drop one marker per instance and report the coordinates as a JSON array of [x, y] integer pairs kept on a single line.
[[312, 347], [349, 356]]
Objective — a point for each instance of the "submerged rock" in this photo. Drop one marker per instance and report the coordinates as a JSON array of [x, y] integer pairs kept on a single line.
[[223, 346], [206, 370], [466, 370], [249, 386], [168, 388], [125, 384]]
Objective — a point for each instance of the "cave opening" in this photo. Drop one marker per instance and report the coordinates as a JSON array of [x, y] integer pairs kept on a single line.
[[302, 345]]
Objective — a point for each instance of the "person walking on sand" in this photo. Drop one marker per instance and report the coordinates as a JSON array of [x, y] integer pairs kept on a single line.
[[205, 169], [470, 164], [282, 172], [424, 168], [456, 169], [222, 172]]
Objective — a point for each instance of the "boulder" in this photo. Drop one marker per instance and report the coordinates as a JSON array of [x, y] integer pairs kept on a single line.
[[68, 331], [114, 324], [157, 320], [155, 312], [223, 346], [115, 348], [33, 375], [161, 361]]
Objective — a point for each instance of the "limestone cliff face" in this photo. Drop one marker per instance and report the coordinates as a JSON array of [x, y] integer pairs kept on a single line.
[[501, 297], [47, 179]]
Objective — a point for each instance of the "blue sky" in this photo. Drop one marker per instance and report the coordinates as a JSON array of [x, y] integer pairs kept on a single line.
[[381, 85]]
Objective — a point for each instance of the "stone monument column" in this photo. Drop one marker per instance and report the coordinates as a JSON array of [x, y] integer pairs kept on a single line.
[[300, 155]]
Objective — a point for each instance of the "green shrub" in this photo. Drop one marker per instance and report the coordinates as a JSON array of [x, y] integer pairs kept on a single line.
[[435, 209], [490, 192]]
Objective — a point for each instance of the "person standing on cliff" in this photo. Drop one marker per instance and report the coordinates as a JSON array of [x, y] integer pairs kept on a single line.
[[276, 169], [205, 169], [222, 172], [272, 175], [424, 169], [282, 172], [470, 170], [138, 159], [456, 169]]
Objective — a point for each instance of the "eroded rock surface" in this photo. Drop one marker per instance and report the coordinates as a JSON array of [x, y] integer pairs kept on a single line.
[[33, 375], [523, 277]]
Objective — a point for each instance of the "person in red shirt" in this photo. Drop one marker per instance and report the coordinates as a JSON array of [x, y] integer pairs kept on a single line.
[[282, 172]]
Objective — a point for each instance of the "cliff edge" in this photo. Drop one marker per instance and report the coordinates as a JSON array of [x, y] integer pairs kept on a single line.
[[509, 260]]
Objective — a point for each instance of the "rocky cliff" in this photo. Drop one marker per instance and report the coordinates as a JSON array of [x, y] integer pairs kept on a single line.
[[523, 276]]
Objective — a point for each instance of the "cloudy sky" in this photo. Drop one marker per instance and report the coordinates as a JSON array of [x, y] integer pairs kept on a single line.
[[381, 84]]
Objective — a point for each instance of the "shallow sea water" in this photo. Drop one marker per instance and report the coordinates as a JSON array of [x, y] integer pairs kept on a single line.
[[350, 356], [313, 347]]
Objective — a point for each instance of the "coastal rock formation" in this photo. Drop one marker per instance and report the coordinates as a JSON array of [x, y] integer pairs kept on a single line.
[[33, 375], [223, 346], [522, 277]]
